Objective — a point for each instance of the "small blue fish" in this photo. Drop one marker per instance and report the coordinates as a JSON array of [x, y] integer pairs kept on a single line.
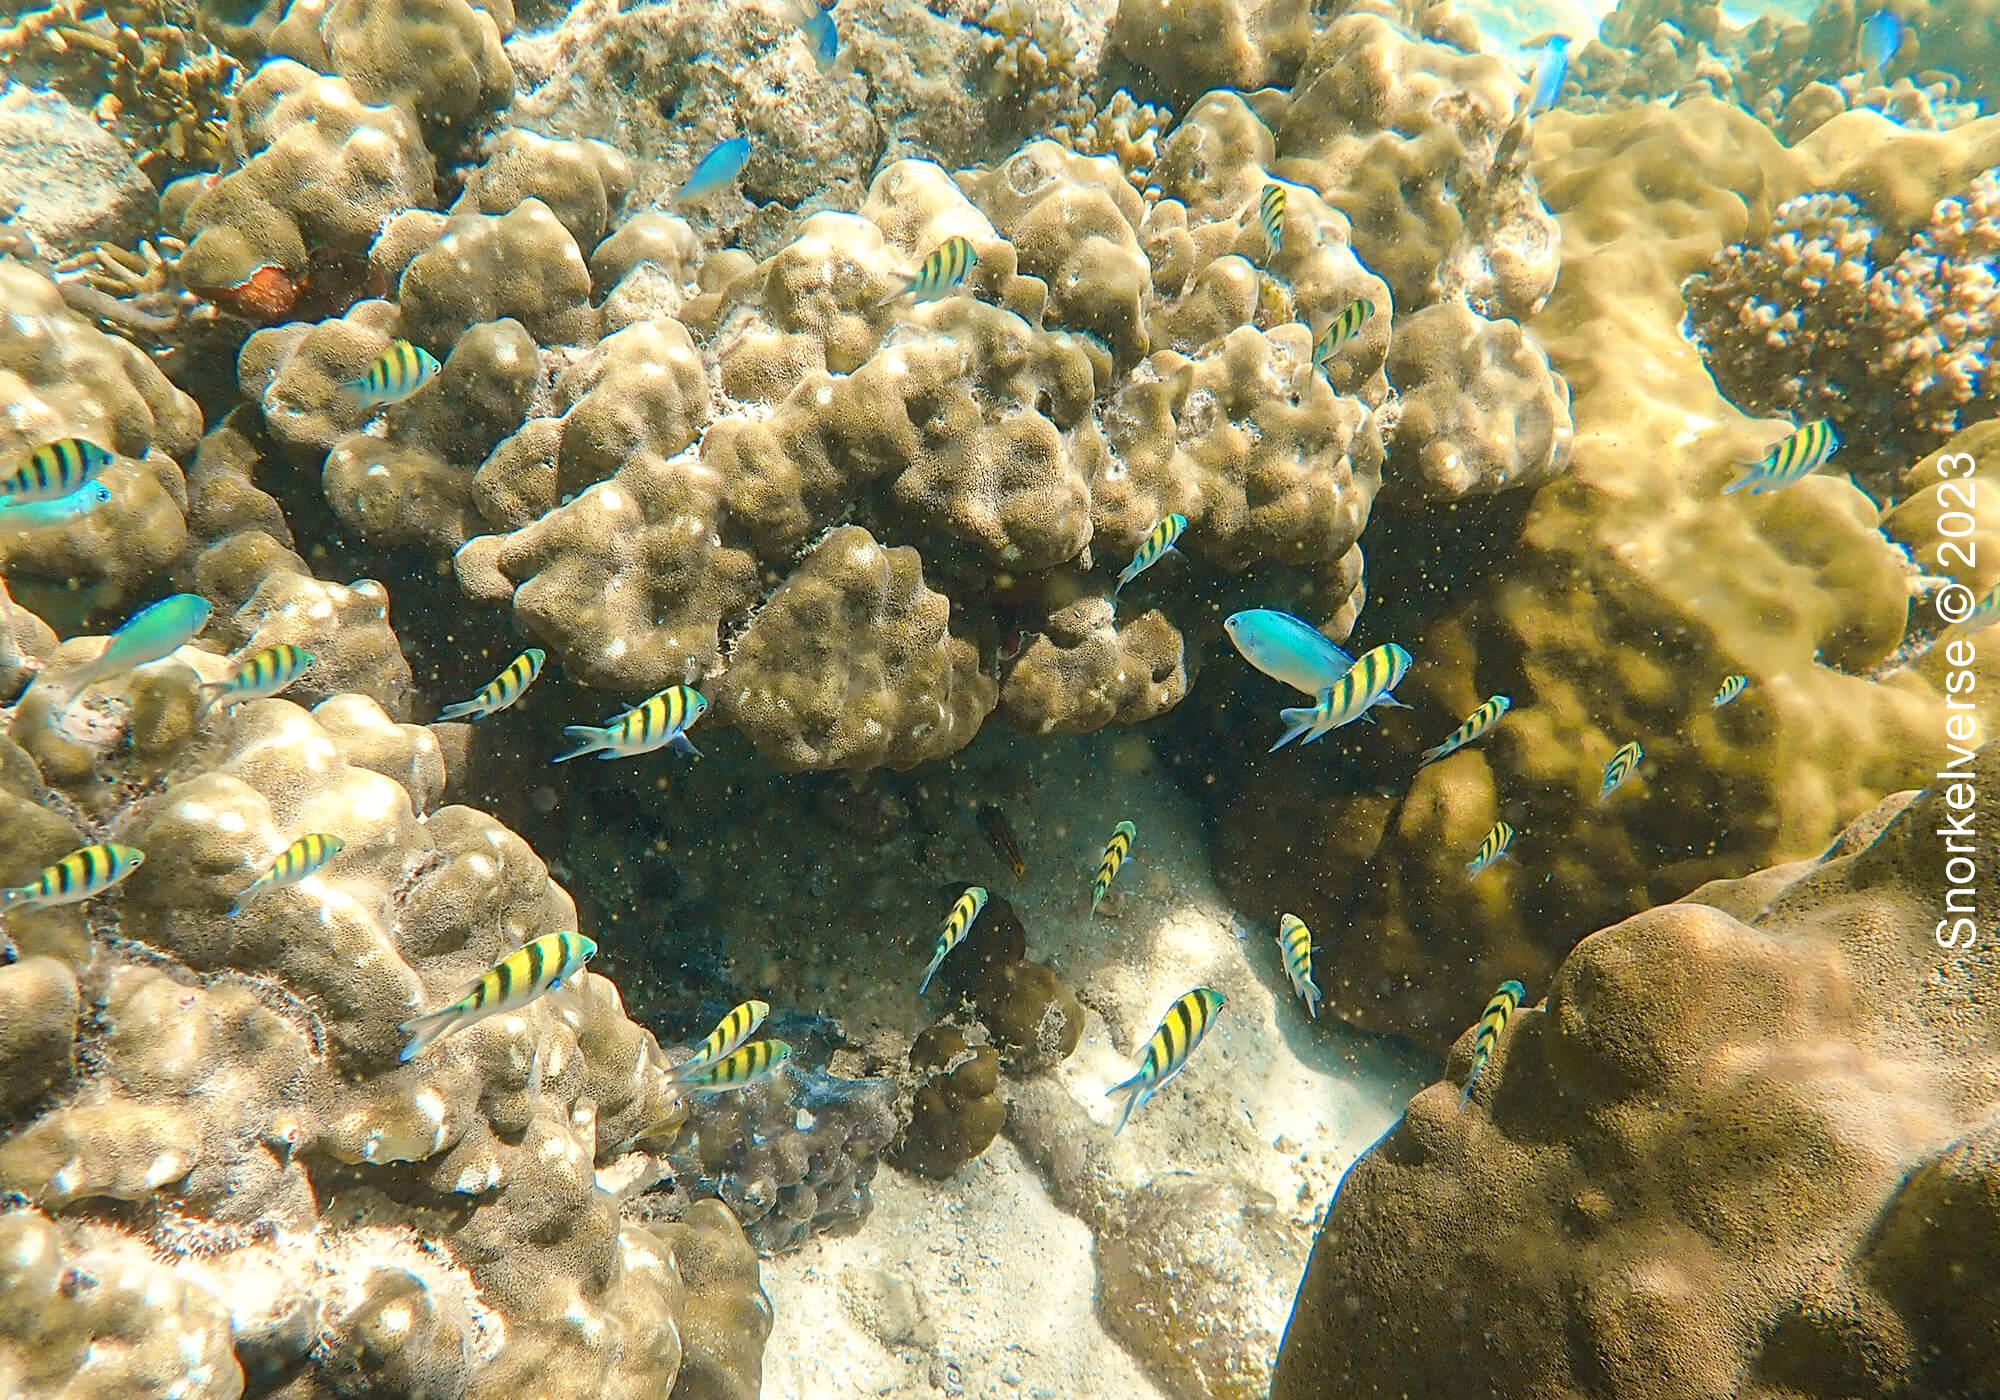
[[63, 510], [1881, 38], [1476, 724], [1187, 1021], [397, 373], [1619, 767], [1789, 459], [1551, 66], [54, 470], [1159, 541], [822, 38], [1491, 849], [1287, 649], [661, 721], [1731, 687], [723, 163], [1492, 1021], [151, 634], [1366, 684]]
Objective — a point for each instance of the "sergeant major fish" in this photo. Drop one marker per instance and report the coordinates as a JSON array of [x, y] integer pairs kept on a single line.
[[539, 966], [1476, 724], [397, 373], [1492, 1021], [723, 162], [1159, 541], [1115, 851], [1295, 941], [1731, 687], [258, 676], [1794, 456], [77, 876], [152, 634], [1619, 767], [659, 722], [1271, 219], [500, 692], [1185, 1023], [54, 470], [942, 273], [731, 1031], [956, 925], [741, 1067], [1491, 849], [302, 858], [1341, 329], [1367, 682]]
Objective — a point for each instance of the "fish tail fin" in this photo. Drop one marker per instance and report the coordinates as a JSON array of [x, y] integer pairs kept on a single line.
[[586, 738], [455, 711], [211, 692], [936, 962], [1471, 1078], [1299, 721], [1136, 1092], [422, 1030], [11, 897], [1751, 476], [1430, 756], [1465, 1097]]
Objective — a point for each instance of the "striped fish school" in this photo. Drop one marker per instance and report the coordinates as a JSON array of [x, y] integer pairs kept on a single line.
[[302, 858], [500, 692], [1186, 1022], [731, 1031], [744, 1066], [1619, 768], [1115, 851], [1476, 724], [54, 470], [1271, 219], [1295, 941], [1731, 687], [956, 925], [1491, 849], [1341, 329], [397, 373], [510, 984], [258, 676], [1367, 683], [76, 877], [658, 722], [942, 274], [1803, 451], [1492, 1021], [1158, 541]]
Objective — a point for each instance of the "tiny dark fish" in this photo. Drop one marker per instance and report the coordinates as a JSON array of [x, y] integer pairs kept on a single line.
[[999, 833]]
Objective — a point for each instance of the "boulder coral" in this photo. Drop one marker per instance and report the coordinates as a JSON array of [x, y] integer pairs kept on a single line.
[[1745, 1146], [212, 1157]]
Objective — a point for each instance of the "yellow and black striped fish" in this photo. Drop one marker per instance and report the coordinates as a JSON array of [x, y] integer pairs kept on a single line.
[[1186, 1022], [1731, 687], [731, 1031], [1367, 683], [1271, 219], [1115, 851], [1492, 1021], [298, 860], [1475, 725], [258, 676], [500, 692], [956, 926], [1342, 328], [658, 722], [510, 984], [743, 1066], [397, 373], [1491, 849], [1619, 768], [1158, 541], [53, 471], [943, 272], [77, 876], [1794, 456], [1295, 941]]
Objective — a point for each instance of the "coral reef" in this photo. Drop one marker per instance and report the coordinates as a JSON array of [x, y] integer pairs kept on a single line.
[[1747, 1146], [1190, 46], [1817, 318], [790, 1156], [64, 180], [224, 1146], [955, 1109]]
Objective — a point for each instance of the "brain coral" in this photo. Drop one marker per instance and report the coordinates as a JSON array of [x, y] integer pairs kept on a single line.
[[212, 1141], [1747, 1147]]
